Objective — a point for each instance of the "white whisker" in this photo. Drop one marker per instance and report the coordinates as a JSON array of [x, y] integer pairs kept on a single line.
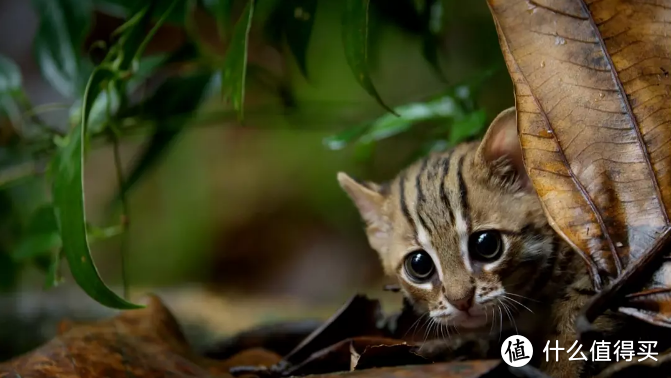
[[510, 316], [491, 330], [500, 321], [523, 297], [518, 302]]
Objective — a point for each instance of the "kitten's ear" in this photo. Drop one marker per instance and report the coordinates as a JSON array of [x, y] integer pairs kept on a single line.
[[370, 202], [500, 150]]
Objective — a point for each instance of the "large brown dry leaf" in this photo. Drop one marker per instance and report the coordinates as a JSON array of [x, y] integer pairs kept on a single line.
[[140, 343], [593, 99], [149, 343]]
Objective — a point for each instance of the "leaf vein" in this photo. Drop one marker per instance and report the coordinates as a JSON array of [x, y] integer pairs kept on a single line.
[[577, 17], [634, 121]]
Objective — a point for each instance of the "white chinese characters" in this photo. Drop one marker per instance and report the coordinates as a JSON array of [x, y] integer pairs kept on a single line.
[[622, 350]]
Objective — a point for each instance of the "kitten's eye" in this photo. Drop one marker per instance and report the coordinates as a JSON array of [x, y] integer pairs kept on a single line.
[[485, 245], [419, 266]]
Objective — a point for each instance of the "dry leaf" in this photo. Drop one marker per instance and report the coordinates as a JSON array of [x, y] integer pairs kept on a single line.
[[141, 343], [358, 317], [470, 369], [593, 99], [371, 352], [280, 338], [648, 368]]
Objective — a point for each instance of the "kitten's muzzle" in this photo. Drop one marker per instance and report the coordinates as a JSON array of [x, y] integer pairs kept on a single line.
[[464, 303]]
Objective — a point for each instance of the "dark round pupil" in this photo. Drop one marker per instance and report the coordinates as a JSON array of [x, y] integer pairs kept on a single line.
[[487, 244], [421, 264]]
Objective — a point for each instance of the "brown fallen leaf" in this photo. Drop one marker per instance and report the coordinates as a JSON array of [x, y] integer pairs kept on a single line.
[[470, 369], [358, 317], [382, 355], [648, 368], [594, 120], [141, 343], [280, 338], [370, 352]]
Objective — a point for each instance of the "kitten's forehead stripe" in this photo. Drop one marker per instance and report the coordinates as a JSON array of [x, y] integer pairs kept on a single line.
[[445, 164], [404, 205], [421, 197], [418, 181], [463, 195]]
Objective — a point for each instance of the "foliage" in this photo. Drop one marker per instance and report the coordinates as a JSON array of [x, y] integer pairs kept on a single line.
[[105, 102]]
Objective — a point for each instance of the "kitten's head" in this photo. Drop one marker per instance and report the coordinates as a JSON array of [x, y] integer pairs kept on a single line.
[[463, 229]]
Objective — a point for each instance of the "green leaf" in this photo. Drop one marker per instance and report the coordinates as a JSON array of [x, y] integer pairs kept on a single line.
[[149, 65], [468, 126], [222, 10], [171, 107], [234, 70], [355, 42], [63, 27], [40, 237], [10, 89], [432, 16], [10, 77], [104, 107], [389, 125], [68, 197], [447, 107], [345, 137], [299, 18]]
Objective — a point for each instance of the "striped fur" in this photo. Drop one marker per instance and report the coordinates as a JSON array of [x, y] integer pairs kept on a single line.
[[438, 202]]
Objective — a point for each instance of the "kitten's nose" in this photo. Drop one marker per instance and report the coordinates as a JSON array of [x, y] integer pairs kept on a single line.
[[465, 302]]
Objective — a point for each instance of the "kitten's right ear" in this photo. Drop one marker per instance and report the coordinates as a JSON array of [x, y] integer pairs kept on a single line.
[[500, 150], [370, 203]]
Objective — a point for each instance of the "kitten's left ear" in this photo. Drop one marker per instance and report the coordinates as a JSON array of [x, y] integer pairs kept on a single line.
[[501, 152], [370, 203]]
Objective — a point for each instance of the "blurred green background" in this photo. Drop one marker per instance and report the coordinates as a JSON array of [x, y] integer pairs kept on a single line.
[[239, 223]]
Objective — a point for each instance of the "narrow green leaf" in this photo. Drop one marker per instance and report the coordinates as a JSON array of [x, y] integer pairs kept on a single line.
[[171, 106], [62, 29], [342, 139], [234, 70], [102, 110], [68, 197], [300, 16], [10, 77], [468, 126], [355, 42], [441, 108], [389, 125], [10, 89], [222, 10], [432, 16], [137, 52], [149, 65]]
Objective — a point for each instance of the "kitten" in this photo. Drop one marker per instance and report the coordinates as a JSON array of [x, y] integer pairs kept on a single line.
[[465, 234]]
